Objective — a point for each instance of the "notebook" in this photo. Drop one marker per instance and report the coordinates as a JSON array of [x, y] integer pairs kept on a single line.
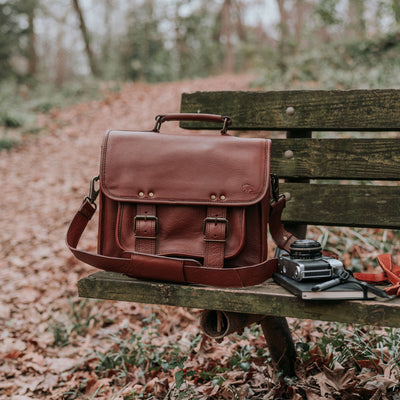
[[303, 290]]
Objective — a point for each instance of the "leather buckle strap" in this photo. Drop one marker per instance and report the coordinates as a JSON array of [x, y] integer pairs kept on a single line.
[[145, 218], [216, 221], [215, 230], [145, 228]]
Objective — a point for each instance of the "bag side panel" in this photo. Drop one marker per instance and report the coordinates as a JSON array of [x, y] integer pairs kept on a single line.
[[108, 210], [255, 249]]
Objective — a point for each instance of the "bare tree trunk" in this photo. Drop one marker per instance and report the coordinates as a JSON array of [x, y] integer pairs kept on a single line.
[[303, 10], [226, 30], [284, 36], [145, 48], [86, 38], [180, 45], [230, 25], [106, 46], [32, 54], [356, 23], [61, 70], [396, 10]]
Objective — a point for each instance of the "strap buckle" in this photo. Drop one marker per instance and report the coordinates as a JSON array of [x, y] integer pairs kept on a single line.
[[216, 221], [145, 218]]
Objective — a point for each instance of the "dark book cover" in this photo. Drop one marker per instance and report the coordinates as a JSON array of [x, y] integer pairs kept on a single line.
[[303, 290]]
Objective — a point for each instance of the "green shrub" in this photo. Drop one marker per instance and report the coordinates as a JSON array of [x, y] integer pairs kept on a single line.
[[7, 143], [11, 119]]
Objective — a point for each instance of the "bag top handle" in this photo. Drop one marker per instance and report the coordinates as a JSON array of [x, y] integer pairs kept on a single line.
[[193, 117]]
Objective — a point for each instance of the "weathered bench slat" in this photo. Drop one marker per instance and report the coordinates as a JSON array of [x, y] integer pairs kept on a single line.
[[265, 299], [342, 205], [336, 110], [377, 159]]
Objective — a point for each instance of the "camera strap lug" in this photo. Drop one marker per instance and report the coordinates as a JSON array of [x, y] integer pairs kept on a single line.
[[93, 193], [275, 188]]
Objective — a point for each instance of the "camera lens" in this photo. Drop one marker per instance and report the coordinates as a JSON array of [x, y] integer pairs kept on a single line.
[[305, 249]]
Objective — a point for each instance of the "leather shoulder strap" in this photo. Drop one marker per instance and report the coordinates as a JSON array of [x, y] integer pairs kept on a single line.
[[280, 235], [175, 269]]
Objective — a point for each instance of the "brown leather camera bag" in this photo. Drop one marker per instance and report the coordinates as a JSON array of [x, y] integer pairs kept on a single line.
[[182, 207]]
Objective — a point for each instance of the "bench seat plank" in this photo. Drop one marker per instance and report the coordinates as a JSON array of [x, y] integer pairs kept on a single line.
[[265, 299], [376, 159], [321, 110]]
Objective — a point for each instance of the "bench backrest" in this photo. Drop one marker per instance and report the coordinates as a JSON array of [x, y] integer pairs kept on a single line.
[[341, 179]]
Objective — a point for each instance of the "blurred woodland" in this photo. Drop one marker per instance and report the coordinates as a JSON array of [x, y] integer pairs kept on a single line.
[[329, 43]]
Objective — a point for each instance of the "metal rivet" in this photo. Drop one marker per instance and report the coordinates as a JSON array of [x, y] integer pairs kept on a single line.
[[141, 194], [288, 154], [151, 194], [222, 197], [213, 197], [289, 111]]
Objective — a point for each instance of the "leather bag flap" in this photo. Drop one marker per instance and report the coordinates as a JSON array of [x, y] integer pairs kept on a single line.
[[185, 169]]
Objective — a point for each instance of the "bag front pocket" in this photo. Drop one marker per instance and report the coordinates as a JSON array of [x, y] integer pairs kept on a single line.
[[178, 230]]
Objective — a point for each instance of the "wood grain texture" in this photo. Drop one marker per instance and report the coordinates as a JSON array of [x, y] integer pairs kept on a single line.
[[266, 299], [363, 159], [342, 205], [316, 110]]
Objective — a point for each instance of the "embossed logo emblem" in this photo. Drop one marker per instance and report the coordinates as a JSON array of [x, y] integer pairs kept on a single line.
[[247, 188]]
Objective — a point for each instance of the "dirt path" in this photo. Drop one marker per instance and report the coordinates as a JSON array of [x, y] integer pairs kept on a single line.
[[42, 184]]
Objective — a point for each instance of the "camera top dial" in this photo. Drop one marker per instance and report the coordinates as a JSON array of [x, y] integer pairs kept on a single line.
[[305, 249]]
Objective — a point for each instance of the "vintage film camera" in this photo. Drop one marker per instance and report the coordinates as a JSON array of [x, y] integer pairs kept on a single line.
[[306, 262]]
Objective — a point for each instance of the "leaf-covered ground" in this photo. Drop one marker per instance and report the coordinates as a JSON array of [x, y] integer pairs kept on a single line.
[[54, 345]]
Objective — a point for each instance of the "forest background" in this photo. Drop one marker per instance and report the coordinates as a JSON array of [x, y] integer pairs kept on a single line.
[[56, 52], [69, 69], [323, 43]]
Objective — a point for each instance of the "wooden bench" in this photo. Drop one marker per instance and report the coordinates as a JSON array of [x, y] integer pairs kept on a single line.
[[325, 183]]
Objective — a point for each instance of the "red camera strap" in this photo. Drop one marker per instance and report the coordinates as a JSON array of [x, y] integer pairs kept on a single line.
[[391, 273]]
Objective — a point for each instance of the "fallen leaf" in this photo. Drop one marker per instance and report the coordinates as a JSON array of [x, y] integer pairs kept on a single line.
[[26, 383], [339, 377], [11, 344], [12, 355], [49, 382], [5, 311], [59, 365], [381, 382], [28, 294]]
